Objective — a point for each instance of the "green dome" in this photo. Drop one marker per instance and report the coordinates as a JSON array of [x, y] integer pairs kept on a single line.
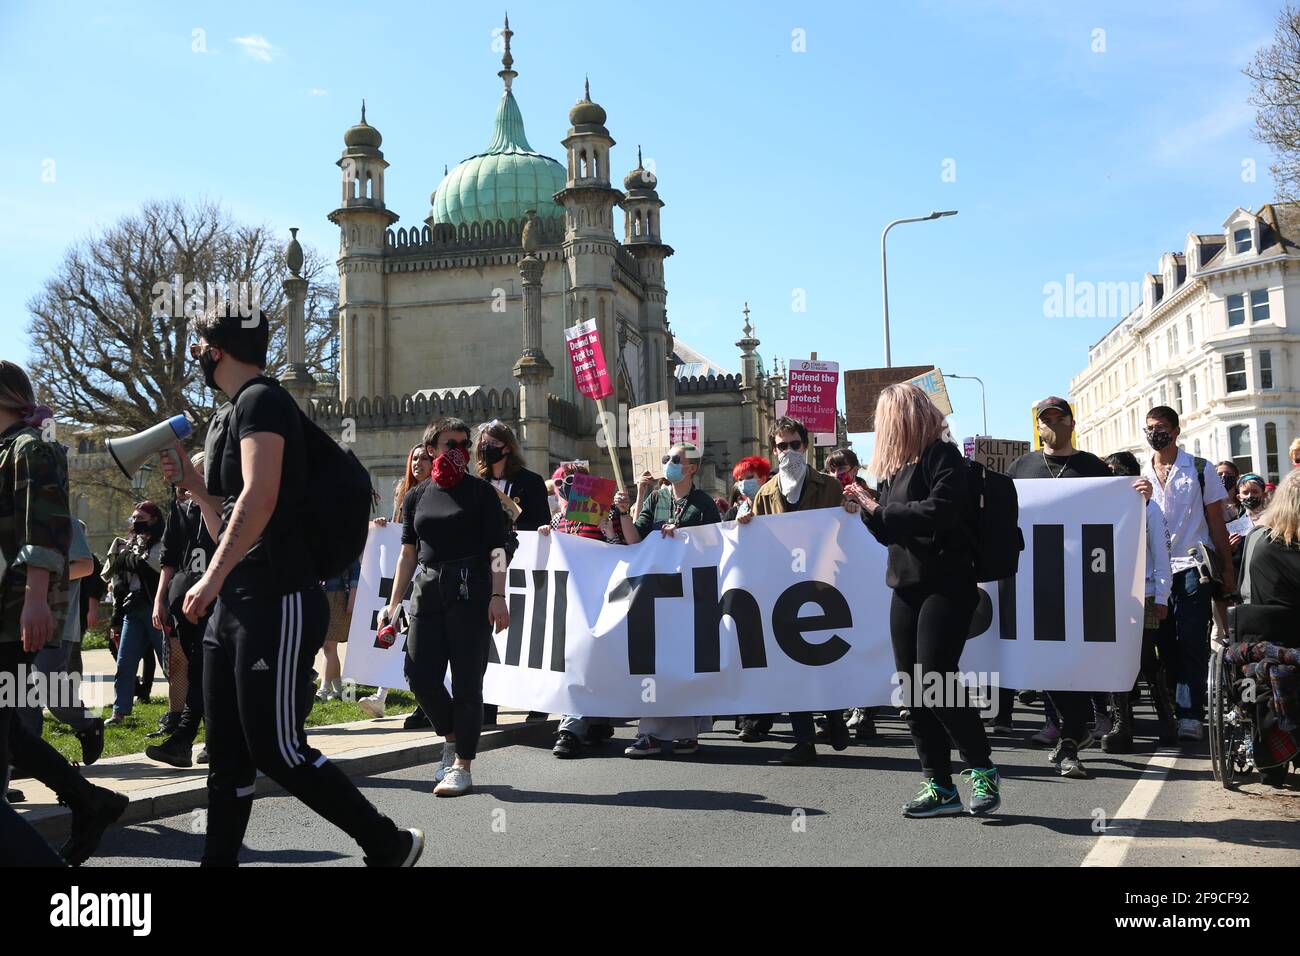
[[504, 181]]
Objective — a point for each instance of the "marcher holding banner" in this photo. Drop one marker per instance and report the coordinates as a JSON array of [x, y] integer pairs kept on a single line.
[[749, 475], [454, 527], [925, 517], [796, 487], [678, 505]]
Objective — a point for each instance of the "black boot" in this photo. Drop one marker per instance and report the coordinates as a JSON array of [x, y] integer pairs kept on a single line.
[[93, 812], [416, 720], [1164, 706], [1120, 738], [92, 741], [175, 751], [166, 725]]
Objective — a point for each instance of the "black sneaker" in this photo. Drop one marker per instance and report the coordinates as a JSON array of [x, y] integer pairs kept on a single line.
[[536, 715], [866, 729], [837, 732], [800, 755], [202, 757], [92, 741], [14, 795], [934, 801], [165, 726], [409, 848], [416, 720], [749, 732], [174, 752], [1066, 758], [1028, 697], [567, 745], [88, 825]]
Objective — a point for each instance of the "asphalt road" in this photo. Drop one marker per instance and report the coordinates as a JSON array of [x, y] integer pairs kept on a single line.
[[730, 804]]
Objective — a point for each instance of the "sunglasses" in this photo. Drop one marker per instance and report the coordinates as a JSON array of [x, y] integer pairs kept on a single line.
[[462, 445], [675, 459], [197, 350], [792, 445]]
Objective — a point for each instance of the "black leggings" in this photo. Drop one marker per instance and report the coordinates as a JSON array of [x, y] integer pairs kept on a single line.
[[929, 628], [446, 630]]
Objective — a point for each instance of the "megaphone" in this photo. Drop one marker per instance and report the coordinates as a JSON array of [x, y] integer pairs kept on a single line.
[[134, 450]]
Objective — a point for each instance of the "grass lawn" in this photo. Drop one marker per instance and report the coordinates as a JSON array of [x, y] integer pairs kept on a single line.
[[128, 737]]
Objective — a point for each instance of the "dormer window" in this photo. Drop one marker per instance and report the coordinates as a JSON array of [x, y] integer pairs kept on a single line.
[[1241, 240]]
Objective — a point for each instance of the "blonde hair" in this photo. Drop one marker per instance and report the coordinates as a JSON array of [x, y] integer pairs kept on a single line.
[[907, 423], [1295, 447], [1282, 516]]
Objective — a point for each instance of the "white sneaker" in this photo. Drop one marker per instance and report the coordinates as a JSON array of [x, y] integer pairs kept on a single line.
[[372, 705], [448, 758], [455, 783], [1189, 729]]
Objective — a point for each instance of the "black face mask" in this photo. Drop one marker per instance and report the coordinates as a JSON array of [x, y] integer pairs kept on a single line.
[[1158, 439], [1229, 483], [140, 527], [493, 454], [209, 366], [1252, 503]]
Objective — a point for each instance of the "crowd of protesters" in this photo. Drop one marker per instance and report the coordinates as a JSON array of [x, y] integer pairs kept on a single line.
[[189, 595]]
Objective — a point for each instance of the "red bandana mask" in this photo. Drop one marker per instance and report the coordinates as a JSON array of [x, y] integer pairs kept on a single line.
[[449, 467]]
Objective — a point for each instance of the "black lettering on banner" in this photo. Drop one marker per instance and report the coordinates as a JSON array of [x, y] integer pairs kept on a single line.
[[1049, 582], [559, 620], [1007, 609], [515, 636], [640, 592], [789, 628], [743, 610], [1099, 583], [537, 632]]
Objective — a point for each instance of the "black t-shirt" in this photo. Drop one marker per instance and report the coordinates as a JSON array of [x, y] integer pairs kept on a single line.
[[1274, 572], [1039, 464], [454, 524], [279, 562]]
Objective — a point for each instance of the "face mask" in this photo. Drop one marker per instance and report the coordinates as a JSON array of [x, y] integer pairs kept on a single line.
[[139, 527], [792, 463], [1252, 503], [1057, 434], [1158, 438], [209, 366], [1229, 483], [748, 487], [674, 472], [449, 467], [493, 454]]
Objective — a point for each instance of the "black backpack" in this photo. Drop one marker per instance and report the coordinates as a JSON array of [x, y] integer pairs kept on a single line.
[[336, 503], [998, 539]]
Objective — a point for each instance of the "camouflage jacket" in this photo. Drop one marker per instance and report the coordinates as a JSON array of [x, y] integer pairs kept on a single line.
[[35, 527]]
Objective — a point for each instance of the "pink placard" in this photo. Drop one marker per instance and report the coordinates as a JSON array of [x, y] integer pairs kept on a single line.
[[811, 390], [588, 358]]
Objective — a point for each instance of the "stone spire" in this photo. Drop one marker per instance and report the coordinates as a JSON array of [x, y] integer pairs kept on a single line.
[[533, 370], [297, 379]]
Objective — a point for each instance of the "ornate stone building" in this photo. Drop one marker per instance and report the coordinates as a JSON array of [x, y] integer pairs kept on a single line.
[[465, 313]]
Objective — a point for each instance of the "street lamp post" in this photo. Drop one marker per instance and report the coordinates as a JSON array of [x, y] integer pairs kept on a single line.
[[884, 270], [983, 398]]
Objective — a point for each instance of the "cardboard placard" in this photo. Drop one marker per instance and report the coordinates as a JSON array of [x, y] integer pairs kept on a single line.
[[862, 388], [588, 358], [811, 390], [932, 384], [647, 433], [997, 454], [590, 498]]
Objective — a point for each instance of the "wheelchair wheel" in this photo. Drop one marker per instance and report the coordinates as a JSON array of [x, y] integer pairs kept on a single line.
[[1226, 731]]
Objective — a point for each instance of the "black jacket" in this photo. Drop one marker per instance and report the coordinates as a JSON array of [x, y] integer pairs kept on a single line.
[[529, 489], [184, 535], [925, 519]]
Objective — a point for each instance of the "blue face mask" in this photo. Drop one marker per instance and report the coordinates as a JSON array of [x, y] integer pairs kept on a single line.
[[749, 487], [674, 472]]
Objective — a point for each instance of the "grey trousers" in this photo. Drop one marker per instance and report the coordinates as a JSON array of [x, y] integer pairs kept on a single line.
[[52, 661]]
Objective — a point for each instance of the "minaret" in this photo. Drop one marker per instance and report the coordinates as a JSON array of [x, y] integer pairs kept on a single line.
[[362, 220], [641, 205], [751, 441], [297, 379], [589, 244]]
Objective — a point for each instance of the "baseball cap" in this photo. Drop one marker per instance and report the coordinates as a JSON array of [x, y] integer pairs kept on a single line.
[[1053, 401]]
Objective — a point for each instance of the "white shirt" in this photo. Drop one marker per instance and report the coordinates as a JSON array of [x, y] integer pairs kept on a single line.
[[1159, 576], [1180, 501]]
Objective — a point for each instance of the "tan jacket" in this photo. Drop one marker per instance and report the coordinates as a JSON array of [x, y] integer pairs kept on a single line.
[[819, 491]]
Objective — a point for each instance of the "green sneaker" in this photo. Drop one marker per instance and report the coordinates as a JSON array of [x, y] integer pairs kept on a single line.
[[933, 800], [985, 789]]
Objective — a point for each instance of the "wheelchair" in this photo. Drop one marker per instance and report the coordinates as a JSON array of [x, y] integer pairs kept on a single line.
[[1231, 697]]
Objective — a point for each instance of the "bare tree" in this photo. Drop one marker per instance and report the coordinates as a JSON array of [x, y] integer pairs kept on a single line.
[[109, 329], [1276, 72]]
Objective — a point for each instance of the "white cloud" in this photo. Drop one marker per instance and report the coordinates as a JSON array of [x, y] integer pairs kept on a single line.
[[316, 91], [258, 47], [1206, 129]]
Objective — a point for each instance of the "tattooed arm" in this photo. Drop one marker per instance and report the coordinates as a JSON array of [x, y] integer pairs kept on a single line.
[[261, 457]]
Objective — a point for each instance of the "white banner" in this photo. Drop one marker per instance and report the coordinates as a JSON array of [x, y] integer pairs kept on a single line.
[[790, 612]]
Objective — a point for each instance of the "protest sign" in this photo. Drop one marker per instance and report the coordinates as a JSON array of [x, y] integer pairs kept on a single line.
[[862, 388], [588, 358], [811, 390], [997, 454], [932, 384], [589, 498], [648, 436]]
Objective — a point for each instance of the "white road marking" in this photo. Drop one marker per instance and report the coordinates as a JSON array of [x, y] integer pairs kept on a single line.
[[1113, 844]]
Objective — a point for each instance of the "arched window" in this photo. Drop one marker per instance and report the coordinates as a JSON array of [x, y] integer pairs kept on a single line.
[[1240, 450], [370, 187]]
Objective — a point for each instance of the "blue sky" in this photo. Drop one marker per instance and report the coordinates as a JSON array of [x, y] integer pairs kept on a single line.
[[1074, 151]]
